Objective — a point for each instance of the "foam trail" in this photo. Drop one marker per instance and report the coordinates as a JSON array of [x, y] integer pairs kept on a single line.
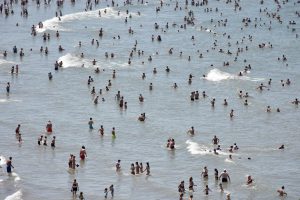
[[15, 196], [7, 100], [16, 176], [217, 75], [56, 24], [2, 62], [194, 148], [74, 61], [2, 161], [70, 60]]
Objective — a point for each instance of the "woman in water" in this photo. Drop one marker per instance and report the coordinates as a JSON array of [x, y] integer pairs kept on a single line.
[[82, 153]]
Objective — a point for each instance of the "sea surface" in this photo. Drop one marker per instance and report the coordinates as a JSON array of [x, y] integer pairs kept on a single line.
[[42, 172]]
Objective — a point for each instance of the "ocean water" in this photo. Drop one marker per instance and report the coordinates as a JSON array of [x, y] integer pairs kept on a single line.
[[42, 172]]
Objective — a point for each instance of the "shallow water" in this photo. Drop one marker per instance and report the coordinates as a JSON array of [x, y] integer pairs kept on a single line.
[[66, 100]]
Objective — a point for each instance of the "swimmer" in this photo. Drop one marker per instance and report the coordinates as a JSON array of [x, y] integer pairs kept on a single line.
[[82, 153], [154, 71], [106, 193], [249, 180], [150, 86], [175, 86], [235, 147], [113, 132], [225, 102], [231, 113], [101, 130], [221, 187], [45, 141], [191, 131], [215, 140], [49, 127], [50, 76], [118, 166], [81, 196], [181, 187], [147, 169], [261, 86], [296, 102], [90, 123], [224, 176], [206, 190], [74, 188], [9, 165], [167, 69], [282, 192], [96, 100], [53, 142], [142, 117], [40, 139], [18, 129], [281, 147], [111, 189], [204, 173], [215, 152], [141, 98], [216, 174]]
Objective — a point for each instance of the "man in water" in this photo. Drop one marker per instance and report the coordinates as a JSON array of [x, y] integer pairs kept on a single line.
[[282, 192], [215, 140], [191, 131], [225, 176], [90, 123], [9, 165], [112, 190], [118, 166], [18, 129]]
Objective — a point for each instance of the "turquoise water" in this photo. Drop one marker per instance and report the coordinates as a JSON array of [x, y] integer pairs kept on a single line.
[[41, 172]]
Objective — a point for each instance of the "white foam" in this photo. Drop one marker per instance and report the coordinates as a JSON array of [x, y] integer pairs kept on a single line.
[[229, 160], [16, 176], [70, 60], [56, 24], [7, 100], [2, 161], [218, 75], [15, 196], [2, 62], [195, 148]]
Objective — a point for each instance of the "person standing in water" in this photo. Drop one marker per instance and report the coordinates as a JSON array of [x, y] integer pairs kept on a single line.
[[18, 129], [9, 165], [118, 166], [53, 142], [90, 123], [75, 187], [101, 130], [281, 192], [113, 133], [112, 190], [147, 169], [225, 176], [215, 140], [82, 153], [49, 127]]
